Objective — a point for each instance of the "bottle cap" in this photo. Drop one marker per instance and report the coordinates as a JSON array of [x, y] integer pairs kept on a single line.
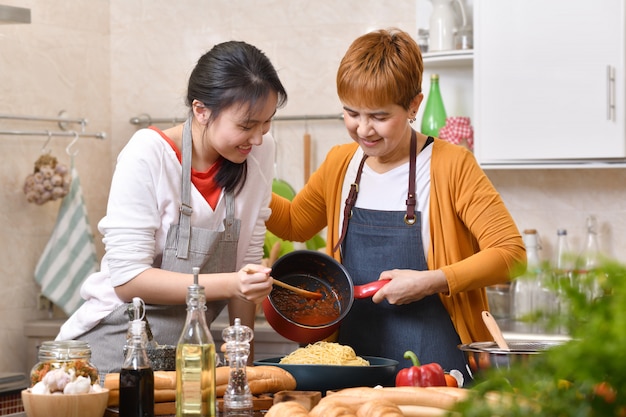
[[137, 325], [196, 286]]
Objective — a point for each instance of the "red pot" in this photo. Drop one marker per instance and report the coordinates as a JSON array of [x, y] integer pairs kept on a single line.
[[314, 271]]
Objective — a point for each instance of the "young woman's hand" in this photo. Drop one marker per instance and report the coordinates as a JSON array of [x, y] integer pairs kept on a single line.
[[254, 282]]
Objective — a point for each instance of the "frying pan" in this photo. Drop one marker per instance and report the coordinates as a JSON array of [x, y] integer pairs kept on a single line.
[[308, 321]]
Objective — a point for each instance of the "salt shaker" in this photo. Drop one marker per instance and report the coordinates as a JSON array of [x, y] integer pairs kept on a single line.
[[238, 398]]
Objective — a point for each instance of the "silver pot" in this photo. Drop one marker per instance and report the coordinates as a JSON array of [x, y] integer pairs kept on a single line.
[[486, 355]]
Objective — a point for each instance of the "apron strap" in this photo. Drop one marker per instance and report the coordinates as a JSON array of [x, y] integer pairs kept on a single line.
[[411, 200], [231, 232], [350, 202], [184, 219]]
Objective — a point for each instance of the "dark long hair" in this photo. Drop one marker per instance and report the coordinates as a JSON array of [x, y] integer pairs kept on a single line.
[[231, 73]]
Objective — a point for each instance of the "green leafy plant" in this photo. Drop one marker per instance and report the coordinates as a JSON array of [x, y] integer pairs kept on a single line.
[[583, 377]]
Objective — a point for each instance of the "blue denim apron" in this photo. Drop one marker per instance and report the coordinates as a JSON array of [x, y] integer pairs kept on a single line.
[[376, 241]]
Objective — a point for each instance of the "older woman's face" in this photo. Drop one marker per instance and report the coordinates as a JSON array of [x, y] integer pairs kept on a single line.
[[381, 132]]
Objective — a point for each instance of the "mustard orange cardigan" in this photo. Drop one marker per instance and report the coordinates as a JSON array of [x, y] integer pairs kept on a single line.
[[473, 238]]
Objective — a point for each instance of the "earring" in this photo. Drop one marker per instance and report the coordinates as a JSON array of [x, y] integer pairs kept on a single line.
[[413, 118]]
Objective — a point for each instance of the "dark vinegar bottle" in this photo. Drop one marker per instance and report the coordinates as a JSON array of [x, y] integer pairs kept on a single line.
[[137, 392], [136, 375]]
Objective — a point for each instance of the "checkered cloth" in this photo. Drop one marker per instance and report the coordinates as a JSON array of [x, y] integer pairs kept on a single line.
[[457, 129]]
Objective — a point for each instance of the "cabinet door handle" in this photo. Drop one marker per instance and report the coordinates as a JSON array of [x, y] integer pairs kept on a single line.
[[610, 93]]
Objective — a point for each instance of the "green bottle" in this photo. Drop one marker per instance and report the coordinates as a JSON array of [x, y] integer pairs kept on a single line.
[[434, 117]]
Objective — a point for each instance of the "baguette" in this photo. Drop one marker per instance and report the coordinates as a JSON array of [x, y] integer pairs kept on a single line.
[[327, 407], [265, 378], [256, 373], [461, 394], [397, 395], [422, 411], [263, 386], [379, 408], [261, 379]]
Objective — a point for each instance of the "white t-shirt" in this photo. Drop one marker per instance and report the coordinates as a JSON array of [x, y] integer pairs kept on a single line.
[[388, 191]]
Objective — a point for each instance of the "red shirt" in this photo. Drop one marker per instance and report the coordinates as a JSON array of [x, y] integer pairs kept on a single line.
[[203, 181]]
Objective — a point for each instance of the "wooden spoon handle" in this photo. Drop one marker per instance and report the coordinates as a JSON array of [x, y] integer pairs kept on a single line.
[[495, 331], [300, 291]]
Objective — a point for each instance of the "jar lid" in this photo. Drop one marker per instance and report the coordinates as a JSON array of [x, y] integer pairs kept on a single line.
[[64, 350]]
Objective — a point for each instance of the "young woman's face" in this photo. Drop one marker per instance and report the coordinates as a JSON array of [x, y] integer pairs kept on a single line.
[[240, 127], [381, 132]]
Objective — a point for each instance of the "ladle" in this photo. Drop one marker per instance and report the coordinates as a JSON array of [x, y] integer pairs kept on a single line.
[[299, 291], [495, 331]]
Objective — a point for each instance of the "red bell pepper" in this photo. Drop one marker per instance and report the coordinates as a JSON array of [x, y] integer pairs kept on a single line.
[[429, 375]]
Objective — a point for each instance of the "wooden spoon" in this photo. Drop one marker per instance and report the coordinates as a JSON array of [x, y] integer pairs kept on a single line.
[[495, 331], [299, 291]]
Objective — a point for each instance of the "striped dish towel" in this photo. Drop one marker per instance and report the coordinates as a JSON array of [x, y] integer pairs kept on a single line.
[[70, 255]]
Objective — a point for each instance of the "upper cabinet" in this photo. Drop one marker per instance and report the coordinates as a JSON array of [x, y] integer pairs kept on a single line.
[[549, 82]]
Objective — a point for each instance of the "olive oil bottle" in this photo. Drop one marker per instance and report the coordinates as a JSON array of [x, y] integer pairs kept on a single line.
[[195, 359]]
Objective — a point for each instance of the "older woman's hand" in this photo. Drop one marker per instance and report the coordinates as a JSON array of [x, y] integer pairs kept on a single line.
[[407, 285]]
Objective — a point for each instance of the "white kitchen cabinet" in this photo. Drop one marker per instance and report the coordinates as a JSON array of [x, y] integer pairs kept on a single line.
[[549, 82]]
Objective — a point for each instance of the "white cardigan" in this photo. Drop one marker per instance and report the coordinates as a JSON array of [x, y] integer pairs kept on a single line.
[[143, 202]]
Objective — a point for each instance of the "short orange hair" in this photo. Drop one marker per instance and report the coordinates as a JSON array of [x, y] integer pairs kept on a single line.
[[380, 68]]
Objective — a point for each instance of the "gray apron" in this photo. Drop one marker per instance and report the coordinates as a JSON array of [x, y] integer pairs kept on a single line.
[[185, 247], [382, 240]]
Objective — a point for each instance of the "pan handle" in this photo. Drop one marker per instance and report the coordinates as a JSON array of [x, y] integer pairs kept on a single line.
[[369, 289]]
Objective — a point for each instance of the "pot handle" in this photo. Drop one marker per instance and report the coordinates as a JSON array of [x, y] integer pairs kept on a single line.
[[369, 289]]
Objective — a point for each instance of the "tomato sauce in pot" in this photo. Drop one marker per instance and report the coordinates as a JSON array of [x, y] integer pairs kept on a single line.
[[306, 311]]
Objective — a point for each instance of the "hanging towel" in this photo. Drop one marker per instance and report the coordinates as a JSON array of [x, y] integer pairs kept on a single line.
[[70, 255]]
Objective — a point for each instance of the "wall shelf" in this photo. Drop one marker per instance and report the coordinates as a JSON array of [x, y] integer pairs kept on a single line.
[[461, 58]]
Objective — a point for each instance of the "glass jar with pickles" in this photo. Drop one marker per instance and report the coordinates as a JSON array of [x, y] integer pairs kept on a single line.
[[72, 356]]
